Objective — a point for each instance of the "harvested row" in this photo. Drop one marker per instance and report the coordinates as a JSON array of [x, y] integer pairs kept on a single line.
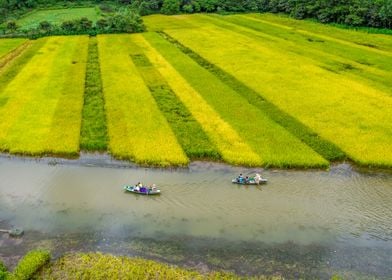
[[230, 144], [271, 142], [188, 131], [137, 129], [93, 135], [44, 116], [322, 100]]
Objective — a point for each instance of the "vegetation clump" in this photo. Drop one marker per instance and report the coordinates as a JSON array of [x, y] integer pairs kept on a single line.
[[29, 265]]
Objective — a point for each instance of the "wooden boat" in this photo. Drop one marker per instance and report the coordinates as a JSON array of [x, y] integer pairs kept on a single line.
[[257, 180], [143, 190]]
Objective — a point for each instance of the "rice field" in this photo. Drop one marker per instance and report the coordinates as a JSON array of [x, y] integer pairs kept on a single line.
[[254, 90], [44, 100], [344, 109]]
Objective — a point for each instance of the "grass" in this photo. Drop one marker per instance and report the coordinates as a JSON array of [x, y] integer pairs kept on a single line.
[[93, 136], [351, 114], [188, 131], [100, 266], [230, 144], [136, 127], [57, 16], [44, 116], [274, 144]]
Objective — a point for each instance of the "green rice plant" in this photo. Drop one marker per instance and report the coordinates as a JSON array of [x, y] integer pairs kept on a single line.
[[188, 131], [56, 16], [274, 144], [137, 129], [229, 142], [100, 266], [352, 115], [8, 45], [45, 100], [93, 135]]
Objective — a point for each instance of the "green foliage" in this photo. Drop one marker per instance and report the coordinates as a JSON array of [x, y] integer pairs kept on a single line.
[[3, 271], [29, 264], [170, 7], [93, 131]]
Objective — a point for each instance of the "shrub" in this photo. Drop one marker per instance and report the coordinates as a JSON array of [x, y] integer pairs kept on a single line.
[[3, 271], [170, 7], [45, 26], [12, 26], [30, 263]]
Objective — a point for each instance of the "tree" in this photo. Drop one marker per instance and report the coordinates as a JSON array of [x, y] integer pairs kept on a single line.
[[12, 26], [170, 7], [45, 26]]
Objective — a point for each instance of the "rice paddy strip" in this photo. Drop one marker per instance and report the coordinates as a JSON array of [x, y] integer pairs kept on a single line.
[[37, 129], [325, 148], [275, 145], [136, 127], [230, 144], [16, 64], [93, 135], [68, 111], [188, 131], [7, 58], [8, 45], [330, 106], [15, 91]]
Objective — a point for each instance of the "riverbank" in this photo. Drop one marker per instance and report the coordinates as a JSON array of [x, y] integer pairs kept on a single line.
[[37, 265]]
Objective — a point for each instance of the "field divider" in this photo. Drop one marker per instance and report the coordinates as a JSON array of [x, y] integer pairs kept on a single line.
[[230, 144], [189, 133], [93, 134], [322, 146]]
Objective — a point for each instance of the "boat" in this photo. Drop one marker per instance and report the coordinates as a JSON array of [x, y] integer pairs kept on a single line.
[[257, 180], [144, 190]]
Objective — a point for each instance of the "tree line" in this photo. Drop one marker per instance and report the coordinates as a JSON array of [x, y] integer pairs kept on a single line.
[[372, 13]]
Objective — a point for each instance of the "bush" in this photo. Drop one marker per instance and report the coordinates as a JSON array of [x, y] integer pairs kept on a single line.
[[30, 263], [170, 7]]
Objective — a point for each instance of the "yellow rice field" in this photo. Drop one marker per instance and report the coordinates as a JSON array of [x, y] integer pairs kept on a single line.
[[264, 90], [137, 129], [353, 115], [43, 110]]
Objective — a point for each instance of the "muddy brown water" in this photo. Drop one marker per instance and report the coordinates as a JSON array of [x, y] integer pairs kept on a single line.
[[301, 224]]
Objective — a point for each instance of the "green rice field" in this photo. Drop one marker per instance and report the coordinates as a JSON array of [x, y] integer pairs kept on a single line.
[[57, 16], [250, 89]]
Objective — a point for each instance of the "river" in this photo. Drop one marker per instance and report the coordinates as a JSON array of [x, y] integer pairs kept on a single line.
[[309, 224]]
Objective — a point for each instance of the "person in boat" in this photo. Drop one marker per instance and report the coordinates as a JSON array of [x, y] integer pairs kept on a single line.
[[143, 190], [240, 178], [246, 179]]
